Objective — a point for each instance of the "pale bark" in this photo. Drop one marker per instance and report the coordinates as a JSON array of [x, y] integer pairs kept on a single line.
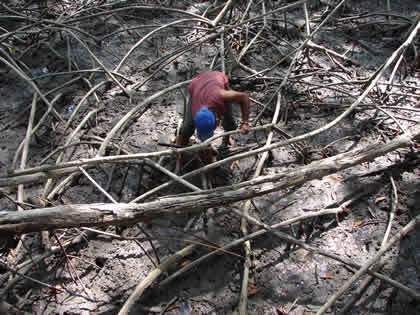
[[109, 214]]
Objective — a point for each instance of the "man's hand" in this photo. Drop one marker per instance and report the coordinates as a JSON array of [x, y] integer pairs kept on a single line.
[[230, 96]]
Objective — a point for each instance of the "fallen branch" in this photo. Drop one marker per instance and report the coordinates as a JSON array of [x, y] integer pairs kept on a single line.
[[222, 13], [36, 174], [110, 214], [291, 240], [163, 267], [366, 282], [403, 232]]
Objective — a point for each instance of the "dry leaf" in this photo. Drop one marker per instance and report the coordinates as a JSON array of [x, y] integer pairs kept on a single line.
[[359, 223], [172, 307], [327, 277], [250, 285], [12, 50], [281, 310], [234, 163], [186, 263], [346, 209], [57, 288], [253, 292], [11, 256], [336, 177], [379, 199]]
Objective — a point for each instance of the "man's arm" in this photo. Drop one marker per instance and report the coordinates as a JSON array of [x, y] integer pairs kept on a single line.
[[230, 96]]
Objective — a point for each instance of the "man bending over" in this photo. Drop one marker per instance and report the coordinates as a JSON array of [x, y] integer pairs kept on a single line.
[[211, 103]]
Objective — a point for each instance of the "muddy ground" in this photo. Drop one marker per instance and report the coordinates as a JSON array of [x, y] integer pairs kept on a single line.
[[101, 272]]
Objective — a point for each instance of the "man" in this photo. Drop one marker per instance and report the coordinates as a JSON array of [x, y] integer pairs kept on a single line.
[[211, 103]]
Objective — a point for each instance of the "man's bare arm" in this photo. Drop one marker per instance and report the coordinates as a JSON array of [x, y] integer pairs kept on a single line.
[[231, 96]]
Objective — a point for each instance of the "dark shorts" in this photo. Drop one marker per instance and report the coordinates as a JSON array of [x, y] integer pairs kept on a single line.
[[188, 128]]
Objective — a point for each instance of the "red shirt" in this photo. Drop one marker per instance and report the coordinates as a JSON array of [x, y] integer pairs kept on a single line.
[[205, 92]]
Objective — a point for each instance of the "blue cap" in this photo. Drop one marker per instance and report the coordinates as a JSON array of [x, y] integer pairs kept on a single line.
[[205, 123]]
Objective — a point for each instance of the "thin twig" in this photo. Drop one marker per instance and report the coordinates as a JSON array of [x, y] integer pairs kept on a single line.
[[403, 232], [366, 282], [95, 183], [24, 158], [222, 13], [393, 211], [243, 301], [152, 276], [35, 129], [43, 284], [126, 92], [285, 237], [70, 264]]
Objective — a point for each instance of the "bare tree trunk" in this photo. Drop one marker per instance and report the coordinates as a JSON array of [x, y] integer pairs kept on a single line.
[[122, 213]]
